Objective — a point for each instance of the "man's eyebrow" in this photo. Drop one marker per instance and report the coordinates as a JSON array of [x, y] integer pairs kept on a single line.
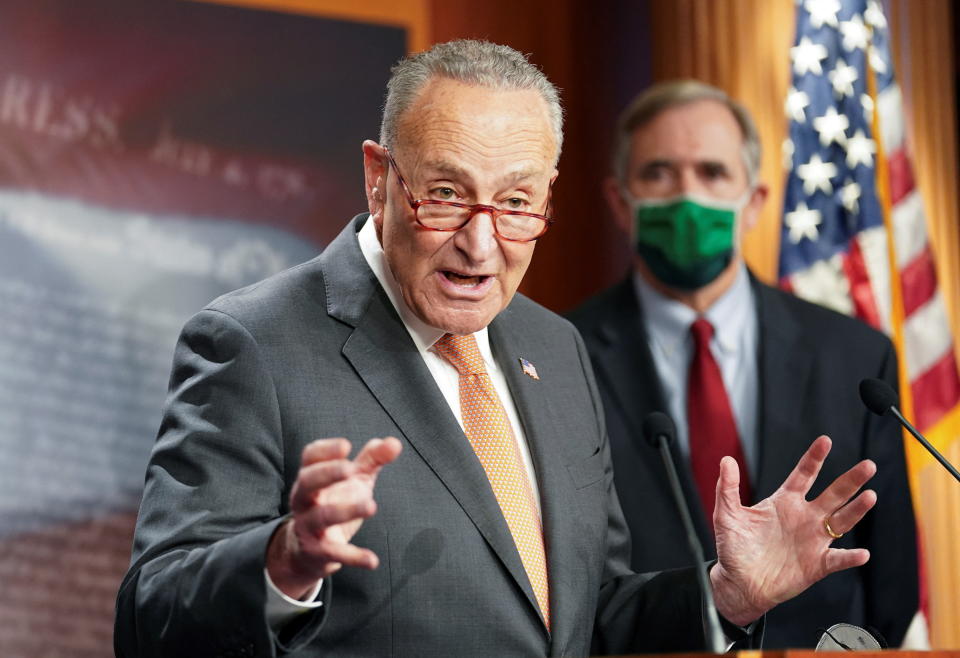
[[657, 162], [444, 167], [519, 176], [669, 162]]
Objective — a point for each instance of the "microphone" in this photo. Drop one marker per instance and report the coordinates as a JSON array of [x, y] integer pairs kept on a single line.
[[847, 637], [881, 399], [660, 432]]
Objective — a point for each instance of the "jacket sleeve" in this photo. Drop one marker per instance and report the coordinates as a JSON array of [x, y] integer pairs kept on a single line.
[[214, 494]]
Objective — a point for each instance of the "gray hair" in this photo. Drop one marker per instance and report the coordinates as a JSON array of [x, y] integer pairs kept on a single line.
[[472, 62], [660, 97]]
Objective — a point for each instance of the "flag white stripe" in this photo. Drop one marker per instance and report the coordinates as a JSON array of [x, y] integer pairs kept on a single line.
[[890, 107], [909, 229], [873, 246], [926, 336]]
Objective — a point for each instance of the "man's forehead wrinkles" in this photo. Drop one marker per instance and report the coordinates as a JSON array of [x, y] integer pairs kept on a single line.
[[466, 158], [443, 166]]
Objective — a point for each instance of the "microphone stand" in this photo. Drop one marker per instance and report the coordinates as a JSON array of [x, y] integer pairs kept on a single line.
[[715, 639]]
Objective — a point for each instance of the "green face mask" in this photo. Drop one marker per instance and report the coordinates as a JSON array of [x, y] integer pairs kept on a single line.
[[685, 242]]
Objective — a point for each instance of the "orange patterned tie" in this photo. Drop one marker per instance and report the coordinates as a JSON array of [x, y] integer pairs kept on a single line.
[[488, 430]]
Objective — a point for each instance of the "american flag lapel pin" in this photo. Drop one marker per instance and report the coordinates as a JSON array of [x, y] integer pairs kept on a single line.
[[529, 369]]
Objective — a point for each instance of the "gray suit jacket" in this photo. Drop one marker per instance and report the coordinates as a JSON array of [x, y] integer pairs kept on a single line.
[[318, 351]]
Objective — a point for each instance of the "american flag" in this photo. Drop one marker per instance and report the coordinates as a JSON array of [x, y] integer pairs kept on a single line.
[[850, 188], [529, 369]]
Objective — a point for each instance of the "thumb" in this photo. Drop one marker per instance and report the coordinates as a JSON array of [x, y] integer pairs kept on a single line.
[[728, 489]]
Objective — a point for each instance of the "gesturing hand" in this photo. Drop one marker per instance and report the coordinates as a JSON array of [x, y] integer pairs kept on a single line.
[[330, 499], [774, 550]]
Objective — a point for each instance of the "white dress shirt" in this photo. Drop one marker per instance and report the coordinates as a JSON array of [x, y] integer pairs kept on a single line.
[[280, 607], [734, 346]]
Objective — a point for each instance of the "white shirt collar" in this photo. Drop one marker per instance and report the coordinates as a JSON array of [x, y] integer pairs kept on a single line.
[[730, 314], [423, 335], [668, 320]]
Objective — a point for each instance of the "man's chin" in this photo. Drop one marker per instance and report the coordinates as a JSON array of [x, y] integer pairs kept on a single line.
[[464, 327], [458, 321]]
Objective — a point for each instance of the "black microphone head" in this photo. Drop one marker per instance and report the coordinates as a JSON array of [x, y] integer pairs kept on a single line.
[[878, 396], [657, 424]]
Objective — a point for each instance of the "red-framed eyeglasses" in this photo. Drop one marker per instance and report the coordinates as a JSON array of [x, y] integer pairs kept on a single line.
[[437, 215]]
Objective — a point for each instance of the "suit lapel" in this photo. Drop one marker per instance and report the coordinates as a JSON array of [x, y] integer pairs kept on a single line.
[[386, 359], [625, 363], [625, 356], [539, 417], [784, 374]]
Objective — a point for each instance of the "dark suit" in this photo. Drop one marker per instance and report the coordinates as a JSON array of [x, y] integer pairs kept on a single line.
[[318, 351], [810, 363]]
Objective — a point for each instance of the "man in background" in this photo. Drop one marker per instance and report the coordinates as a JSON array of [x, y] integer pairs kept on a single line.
[[495, 529], [745, 370]]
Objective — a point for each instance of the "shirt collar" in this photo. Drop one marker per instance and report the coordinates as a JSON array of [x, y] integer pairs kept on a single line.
[[668, 321], [423, 335], [732, 311]]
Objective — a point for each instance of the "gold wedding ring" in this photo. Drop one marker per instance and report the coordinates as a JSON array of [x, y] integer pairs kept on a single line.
[[826, 526]]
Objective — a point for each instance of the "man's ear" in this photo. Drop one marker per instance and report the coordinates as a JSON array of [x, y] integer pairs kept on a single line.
[[613, 193], [751, 212], [374, 178]]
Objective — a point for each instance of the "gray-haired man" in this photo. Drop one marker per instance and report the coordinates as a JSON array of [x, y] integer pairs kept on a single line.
[[496, 530], [746, 370]]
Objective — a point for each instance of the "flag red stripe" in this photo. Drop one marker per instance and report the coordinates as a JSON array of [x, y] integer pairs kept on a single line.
[[901, 175], [936, 391], [861, 290], [918, 281]]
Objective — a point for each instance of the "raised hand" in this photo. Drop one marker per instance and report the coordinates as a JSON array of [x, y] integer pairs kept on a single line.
[[769, 553], [330, 499]]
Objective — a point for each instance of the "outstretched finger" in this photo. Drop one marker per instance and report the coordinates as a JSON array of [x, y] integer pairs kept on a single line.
[[838, 559], [376, 454], [804, 474], [845, 518], [324, 450], [845, 486]]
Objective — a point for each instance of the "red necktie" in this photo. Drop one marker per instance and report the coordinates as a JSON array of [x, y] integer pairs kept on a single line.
[[713, 431]]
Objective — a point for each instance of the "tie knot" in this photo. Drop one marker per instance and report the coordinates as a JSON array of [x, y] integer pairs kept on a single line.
[[702, 331], [462, 353]]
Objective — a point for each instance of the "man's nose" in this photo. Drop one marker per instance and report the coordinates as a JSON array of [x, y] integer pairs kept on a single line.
[[478, 239], [689, 182]]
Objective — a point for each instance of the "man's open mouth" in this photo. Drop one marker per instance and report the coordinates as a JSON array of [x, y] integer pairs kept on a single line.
[[464, 279]]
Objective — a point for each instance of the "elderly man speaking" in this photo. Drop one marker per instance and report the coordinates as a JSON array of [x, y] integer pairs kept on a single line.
[[486, 522]]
